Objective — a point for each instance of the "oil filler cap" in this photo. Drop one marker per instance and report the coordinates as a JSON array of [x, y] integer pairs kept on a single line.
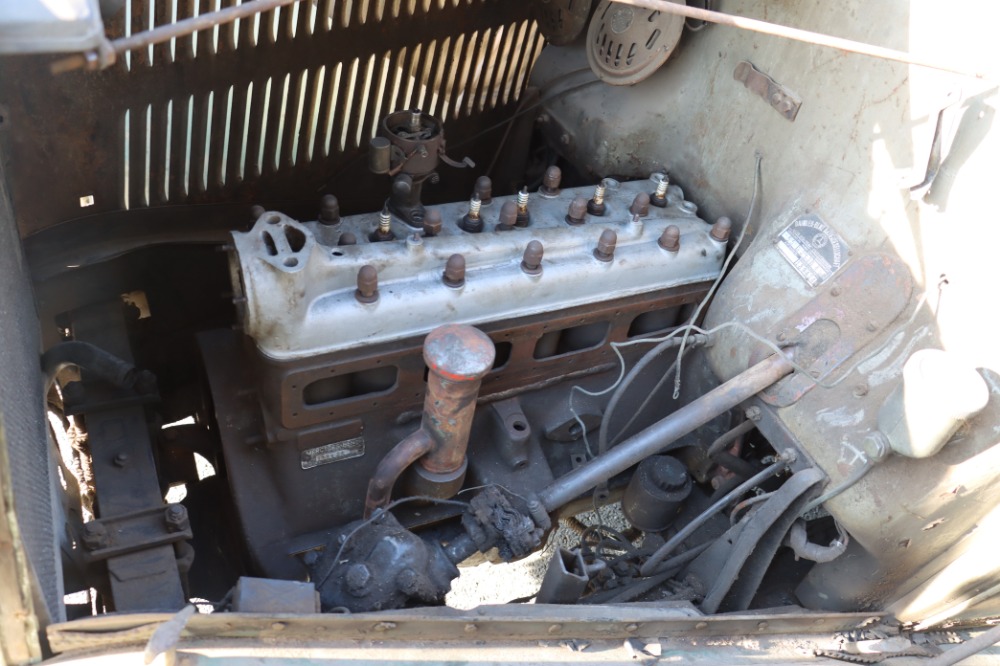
[[626, 44]]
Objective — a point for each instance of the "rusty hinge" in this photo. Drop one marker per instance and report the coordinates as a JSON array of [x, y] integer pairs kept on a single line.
[[783, 100]]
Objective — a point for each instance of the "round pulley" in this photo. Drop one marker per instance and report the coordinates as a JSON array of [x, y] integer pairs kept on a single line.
[[562, 21], [626, 44]]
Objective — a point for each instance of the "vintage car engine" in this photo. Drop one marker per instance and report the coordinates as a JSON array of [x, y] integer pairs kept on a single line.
[[336, 311]]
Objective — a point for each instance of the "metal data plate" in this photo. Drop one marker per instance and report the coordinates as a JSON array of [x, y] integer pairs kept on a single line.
[[813, 249], [335, 452]]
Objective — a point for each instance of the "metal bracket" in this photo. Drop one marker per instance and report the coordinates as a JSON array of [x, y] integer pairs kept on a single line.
[[781, 98], [132, 532]]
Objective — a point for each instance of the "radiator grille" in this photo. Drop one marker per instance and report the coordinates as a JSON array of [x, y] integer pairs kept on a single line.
[[269, 108]]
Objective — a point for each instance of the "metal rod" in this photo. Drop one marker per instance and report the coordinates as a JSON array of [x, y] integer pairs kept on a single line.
[[165, 33], [797, 34], [662, 433], [727, 438]]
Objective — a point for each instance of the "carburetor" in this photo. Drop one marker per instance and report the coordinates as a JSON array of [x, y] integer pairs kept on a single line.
[[336, 310]]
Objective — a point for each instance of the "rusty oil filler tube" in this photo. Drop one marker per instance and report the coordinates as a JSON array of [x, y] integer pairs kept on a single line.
[[457, 358]]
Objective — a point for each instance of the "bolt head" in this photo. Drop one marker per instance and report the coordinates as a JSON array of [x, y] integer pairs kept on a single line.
[[357, 578]]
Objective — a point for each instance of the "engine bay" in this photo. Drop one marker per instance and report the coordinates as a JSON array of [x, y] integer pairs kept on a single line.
[[514, 282]]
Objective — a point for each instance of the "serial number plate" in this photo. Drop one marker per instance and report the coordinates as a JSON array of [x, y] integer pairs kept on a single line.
[[331, 453], [813, 249]]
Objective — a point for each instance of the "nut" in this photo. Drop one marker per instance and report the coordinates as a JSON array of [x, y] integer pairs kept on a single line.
[[532, 261], [454, 271], [367, 291], [432, 222], [551, 182], [721, 229], [176, 517], [484, 190], [329, 210], [508, 216], [670, 239], [605, 250], [640, 205], [347, 238], [577, 213]]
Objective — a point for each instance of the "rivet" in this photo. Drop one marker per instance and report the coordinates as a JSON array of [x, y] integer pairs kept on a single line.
[[762, 625], [701, 625], [385, 626], [670, 239], [605, 250], [121, 459], [835, 291], [555, 628], [278, 626], [454, 271], [471, 628], [367, 291], [631, 628]]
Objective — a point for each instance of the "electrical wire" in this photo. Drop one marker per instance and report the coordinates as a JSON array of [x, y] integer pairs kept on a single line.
[[722, 271], [652, 565], [856, 475]]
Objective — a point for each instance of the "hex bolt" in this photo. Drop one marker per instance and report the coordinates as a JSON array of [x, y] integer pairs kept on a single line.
[[670, 239], [384, 230], [255, 212], [508, 216], [659, 196], [347, 238], [523, 214], [357, 578], [605, 250], [432, 222], [407, 580], [721, 229], [95, 536], [472, 222], [577, 213], [532, 261], [640, 205], [329, 210], [484, 190], [454, 271], [551, 182], [596, 205], [176, 517], [367, 291]]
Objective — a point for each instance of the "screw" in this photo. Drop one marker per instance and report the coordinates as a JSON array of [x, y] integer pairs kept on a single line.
[[670, 239], [484, 190], [532, 262], [577, 213], [508, 216], [121, 460], [454, 271], [605, 250], [523, 216], [347, 238], [659, 198], [640, 205], [596, 205], [721, 229], [329, 210], [551, 182], [432, 222], [367, 291]]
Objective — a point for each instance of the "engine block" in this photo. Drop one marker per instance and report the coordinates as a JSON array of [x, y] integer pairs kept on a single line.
[[335, 361]]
